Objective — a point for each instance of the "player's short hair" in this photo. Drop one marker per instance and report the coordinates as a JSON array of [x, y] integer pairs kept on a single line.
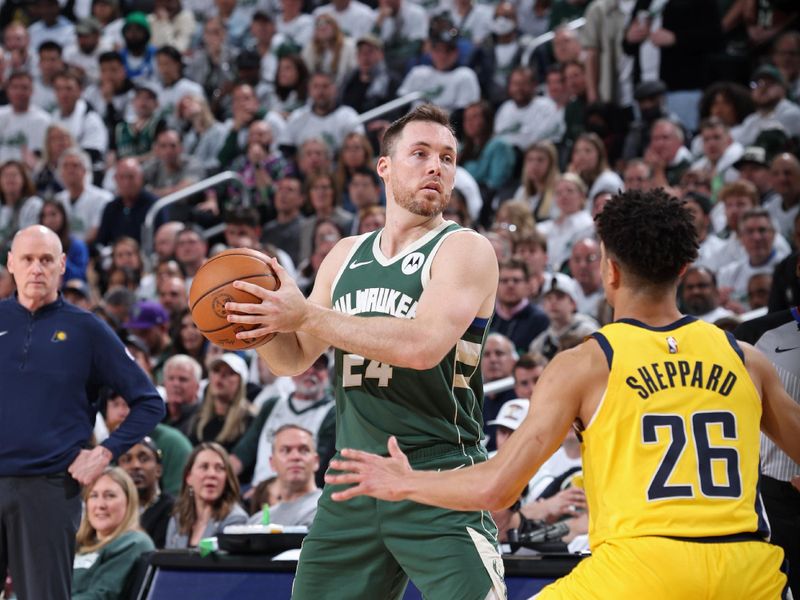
[[429, 113], [650, 234]]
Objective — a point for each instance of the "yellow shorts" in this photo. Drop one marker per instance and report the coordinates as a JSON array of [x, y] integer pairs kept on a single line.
[[656, 568]]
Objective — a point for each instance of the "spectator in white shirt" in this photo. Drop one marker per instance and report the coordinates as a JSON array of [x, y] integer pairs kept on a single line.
[[524, 118], [22, 125], [773, 109], [443, 82], [83, 201], [355, 18], [572, 222], [700, 296]]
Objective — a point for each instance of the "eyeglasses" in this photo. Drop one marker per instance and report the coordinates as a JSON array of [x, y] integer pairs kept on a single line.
[[513, 280]]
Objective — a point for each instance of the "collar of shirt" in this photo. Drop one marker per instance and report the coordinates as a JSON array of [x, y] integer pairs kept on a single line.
[[509, 314]]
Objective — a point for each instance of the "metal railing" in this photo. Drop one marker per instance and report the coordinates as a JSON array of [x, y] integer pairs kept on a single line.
[[381, 110], [532, 44], [148, 232]]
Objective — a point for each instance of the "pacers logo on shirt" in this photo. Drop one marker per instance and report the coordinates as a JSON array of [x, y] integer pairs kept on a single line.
[[412, 263], [59, 336]]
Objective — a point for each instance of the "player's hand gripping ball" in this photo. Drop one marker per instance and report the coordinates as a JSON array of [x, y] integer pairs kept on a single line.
[[212, 287]]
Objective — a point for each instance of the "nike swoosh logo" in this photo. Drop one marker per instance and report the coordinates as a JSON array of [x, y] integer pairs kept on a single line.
[[2, 333], [778, 349], [355, 265]]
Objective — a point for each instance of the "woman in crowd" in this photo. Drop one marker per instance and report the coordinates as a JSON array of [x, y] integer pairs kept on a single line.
[[57, 139], [590, 162], [356, 152], [539, 175], [325, 234], [19, 204], [514, 219], [54, 216], [124, 254], [187, 338], [291, 85], [203, 135], [209, 498], [224, 413], [109, 539], [490, 160], [324, 204], [573, 222], [330, 50]]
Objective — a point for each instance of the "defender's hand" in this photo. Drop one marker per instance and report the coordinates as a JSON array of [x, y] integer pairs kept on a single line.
[[373, 475]]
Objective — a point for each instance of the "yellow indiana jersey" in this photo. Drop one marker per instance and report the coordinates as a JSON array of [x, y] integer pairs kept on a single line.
[[673, 447]]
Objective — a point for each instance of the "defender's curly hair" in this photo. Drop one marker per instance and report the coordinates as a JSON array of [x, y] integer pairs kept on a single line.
[[650, 233]]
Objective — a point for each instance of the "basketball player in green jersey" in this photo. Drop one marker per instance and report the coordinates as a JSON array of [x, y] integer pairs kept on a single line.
[[669, 409], [407, 309]]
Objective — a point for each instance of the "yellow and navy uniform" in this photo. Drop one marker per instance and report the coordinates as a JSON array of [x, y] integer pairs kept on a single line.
[[670, 458]]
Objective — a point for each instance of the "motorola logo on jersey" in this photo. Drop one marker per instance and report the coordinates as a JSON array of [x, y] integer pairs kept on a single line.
[[412, 263]]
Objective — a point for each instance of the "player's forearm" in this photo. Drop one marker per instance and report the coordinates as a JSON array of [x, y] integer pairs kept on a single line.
[[398, 342], [285, 354], [476, 488]]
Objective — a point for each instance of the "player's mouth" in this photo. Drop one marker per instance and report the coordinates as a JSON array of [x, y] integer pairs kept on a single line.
[[433, 186]]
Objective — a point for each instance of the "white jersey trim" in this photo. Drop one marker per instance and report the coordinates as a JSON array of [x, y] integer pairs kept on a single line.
[[415, 245]]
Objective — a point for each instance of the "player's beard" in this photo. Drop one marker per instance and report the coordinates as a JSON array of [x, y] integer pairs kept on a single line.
[[406, 198]]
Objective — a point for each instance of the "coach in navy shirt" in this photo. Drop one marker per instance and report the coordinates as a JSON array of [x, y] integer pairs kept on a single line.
[[53, 358]]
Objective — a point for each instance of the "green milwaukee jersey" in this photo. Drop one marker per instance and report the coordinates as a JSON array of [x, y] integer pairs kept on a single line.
[[423, 408]]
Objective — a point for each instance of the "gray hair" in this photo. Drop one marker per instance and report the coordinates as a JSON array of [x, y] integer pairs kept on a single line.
[[80, 154], [184, 360]]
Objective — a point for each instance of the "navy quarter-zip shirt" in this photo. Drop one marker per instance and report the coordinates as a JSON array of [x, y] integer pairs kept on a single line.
[[52, 363]]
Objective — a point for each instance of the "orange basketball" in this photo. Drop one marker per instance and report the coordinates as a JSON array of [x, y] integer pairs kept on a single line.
[[212, 287]]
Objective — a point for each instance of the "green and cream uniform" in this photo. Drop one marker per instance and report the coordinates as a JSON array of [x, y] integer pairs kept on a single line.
[[367, 548]]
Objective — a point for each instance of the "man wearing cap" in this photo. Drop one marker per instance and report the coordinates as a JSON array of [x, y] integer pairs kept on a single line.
[[84, 53], [371, 83], [143, 463], [753, 167], [138, 54], [508, 418], [150, 322], [559, 295], [784, 205], [443, 82], [76, 292], [354, 18], [773, 109], [650, 97], [310, 405]]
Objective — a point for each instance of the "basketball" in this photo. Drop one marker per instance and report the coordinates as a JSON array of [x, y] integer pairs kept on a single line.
[[212, 287]]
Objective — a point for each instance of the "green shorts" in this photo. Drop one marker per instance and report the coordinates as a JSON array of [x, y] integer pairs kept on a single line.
[[367, 549]]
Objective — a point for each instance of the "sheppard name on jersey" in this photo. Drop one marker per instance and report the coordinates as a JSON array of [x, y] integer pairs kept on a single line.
[[663, 376], [379, 300]]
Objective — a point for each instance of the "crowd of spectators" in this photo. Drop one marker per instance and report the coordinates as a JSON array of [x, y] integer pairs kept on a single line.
[[106, 106]]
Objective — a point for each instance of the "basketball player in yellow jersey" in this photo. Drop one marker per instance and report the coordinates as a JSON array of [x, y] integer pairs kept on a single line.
[[669, 408]]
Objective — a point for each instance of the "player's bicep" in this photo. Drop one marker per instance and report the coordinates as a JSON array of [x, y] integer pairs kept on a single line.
[[462, 285]]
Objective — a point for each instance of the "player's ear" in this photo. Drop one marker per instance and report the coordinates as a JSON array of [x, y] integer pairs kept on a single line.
[[383, 166]]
